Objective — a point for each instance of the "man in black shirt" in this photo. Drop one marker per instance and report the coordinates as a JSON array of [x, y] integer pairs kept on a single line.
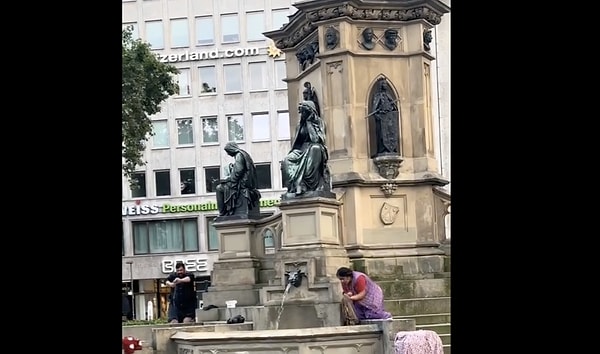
[[183, 297]]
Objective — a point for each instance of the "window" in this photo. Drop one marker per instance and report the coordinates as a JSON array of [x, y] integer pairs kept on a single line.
[[205, 32], [210, 130], [185, 131], [138, 185], [165, 236], [260, 127], [268, 238], [163, 182], [122, 239], [280, 17], [187, 178], [233, 77], [280, 75], [258, 76], [213, 236], [135, 32], [183, 80], [235, 127], [154, 34], [283, 125], [180, 33], [255, 26], [212, 175], [230, 28], [208, 79], [160, 139], [263, 175]]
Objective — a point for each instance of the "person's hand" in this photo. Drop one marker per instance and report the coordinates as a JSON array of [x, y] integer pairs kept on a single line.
[[175, 281]]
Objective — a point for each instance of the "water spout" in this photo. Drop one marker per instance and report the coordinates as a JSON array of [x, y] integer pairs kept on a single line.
[[295, 277]]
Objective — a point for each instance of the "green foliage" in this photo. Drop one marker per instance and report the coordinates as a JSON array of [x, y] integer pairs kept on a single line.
[[146, 83]]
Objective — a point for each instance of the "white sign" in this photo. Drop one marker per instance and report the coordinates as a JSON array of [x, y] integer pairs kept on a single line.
[[191, 265], [140, 210], [211, 54]]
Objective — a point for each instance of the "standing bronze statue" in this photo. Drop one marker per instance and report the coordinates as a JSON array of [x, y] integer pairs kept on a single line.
[[304, 169], [237, 194], [385, 110]]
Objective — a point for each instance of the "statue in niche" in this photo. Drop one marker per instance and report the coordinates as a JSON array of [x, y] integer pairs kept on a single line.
[[309, 94], [237, 194], [385, 111], [331, 38], [304, 169], [368, 36], [427, 38], [390, 38]]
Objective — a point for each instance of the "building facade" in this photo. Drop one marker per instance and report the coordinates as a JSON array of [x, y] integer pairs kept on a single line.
[[231, 88]]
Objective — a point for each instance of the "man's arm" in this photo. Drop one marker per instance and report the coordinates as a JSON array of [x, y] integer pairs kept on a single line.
[[171, 280]]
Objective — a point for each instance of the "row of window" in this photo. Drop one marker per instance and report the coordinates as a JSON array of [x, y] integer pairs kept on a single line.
[[261, 129], [188, 182], [178, 236], [232, 74], [203, 29]]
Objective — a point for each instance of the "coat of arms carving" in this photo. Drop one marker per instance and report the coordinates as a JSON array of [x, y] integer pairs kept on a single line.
[[388, 213]]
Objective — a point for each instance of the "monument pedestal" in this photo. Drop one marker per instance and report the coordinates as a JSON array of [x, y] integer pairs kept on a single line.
[[311, 244], [235, 274]]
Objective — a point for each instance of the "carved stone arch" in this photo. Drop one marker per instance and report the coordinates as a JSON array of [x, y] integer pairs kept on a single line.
[[371, 121], [268, 233]]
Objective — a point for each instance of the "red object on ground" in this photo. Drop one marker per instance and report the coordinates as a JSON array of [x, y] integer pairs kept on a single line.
[[131, 344]]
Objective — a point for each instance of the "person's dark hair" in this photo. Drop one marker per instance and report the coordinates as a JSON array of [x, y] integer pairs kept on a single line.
[[180, 265], [344, 272]]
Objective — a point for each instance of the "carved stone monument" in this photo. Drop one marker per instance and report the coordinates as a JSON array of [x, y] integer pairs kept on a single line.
[[375, 97]]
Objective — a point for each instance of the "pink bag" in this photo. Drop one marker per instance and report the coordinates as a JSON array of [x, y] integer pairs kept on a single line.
[[418, 342]]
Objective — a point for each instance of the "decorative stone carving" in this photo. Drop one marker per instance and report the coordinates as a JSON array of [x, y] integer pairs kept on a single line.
[[307, 54], [388, 213], [368, 38], [388, 166], [427, 38], [388, 189], [332, 37], [390, 38], [432, 16]]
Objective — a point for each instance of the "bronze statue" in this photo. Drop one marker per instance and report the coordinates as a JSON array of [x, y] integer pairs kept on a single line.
[[237, 194], [309, 94], [385, 110], [305, 169], [390, 38], [368, 36]]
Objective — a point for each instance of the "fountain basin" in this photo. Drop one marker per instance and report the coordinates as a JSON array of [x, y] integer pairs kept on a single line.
[[371, 338]]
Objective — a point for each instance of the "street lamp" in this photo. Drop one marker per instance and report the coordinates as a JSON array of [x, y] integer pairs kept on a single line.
[[131, 288]]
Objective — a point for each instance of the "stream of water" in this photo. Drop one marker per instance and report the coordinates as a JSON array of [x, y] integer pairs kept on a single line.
[[287, 289]]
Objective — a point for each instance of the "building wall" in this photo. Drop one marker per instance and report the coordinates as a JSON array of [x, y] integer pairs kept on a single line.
[[261, 92]]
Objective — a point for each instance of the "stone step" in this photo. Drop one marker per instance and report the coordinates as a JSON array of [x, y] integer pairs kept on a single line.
[[403, 289], [447, 349], [439, 328], [417, 306], [426, 319], [445, 339]]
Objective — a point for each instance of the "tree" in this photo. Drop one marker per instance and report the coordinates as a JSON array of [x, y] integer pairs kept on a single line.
[[146, 83]]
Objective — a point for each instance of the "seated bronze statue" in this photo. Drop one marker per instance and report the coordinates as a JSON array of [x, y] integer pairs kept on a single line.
[[238, 193], [305, 168]]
